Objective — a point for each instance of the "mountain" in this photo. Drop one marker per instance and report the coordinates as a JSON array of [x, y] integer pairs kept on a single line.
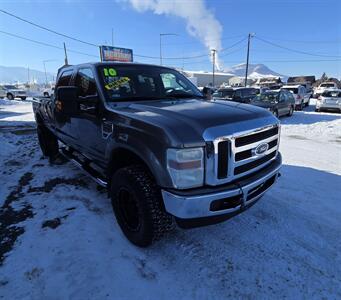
[[255, 71], [13, 75]]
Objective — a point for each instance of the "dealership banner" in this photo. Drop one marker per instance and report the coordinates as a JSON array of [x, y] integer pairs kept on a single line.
[[109, 53]]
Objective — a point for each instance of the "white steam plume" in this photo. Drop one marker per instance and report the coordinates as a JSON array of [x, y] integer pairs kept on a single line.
[[200, 21]]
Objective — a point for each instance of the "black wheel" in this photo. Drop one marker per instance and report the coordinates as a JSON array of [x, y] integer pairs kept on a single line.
[[317, 110], [10, 96], [47, 141], [291, 111], [275, 113], [23, 98], [138, 206], [46, 94]]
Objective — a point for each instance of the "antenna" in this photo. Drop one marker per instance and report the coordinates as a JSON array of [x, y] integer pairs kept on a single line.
[[66, 60]]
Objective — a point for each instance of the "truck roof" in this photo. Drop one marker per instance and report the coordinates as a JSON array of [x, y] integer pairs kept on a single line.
[[114, 64]]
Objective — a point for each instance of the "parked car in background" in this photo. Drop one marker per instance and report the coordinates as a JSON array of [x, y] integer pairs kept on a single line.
[[242, 95], [324, 86], [280, 103], [2, 92], [48, 92], [329, 100], [300, 95], [12, 92]]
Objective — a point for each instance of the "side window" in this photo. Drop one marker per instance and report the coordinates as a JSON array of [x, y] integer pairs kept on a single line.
[[170, 82], [238, 94], [283, 97], [64, 78], [86, 83]]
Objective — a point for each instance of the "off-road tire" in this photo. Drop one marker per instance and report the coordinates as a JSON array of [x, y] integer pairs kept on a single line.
[[153, 220], [48, 142], [10, 96]]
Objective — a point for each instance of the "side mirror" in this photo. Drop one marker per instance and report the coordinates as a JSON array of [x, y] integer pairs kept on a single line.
[[66, 99]]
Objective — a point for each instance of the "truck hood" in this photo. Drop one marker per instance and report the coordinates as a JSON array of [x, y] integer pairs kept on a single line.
[[193, 121]]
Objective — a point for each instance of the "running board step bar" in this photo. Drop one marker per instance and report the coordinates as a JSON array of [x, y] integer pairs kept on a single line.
[[84, 166]]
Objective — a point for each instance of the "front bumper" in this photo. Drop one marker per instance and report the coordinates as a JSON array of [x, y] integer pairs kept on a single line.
[[226, 200]]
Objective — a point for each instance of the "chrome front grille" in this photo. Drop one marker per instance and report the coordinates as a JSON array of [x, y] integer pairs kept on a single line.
[[239, 155]]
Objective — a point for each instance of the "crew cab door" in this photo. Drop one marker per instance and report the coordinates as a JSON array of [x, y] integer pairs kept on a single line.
[[63, 123], [89, 119]]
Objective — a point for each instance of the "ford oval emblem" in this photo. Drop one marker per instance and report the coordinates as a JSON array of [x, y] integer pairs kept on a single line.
[[261, 148]]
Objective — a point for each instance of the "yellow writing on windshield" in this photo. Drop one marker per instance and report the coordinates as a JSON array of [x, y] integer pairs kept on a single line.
[[117, 83]]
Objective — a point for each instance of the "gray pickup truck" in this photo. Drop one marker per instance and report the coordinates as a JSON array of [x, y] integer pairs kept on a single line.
[[165, 154]]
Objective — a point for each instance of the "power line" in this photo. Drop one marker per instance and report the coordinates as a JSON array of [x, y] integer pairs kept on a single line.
[[294, 50], [303, 41], [92, 44], [47, 29], [45, 44]]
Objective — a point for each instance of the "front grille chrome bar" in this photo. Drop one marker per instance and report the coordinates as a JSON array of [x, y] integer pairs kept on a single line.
[[242, 157]]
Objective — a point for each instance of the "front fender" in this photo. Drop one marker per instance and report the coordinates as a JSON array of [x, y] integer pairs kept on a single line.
[[154, 159]]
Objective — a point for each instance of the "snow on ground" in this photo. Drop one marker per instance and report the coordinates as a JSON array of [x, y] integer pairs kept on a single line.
[[59, 238]]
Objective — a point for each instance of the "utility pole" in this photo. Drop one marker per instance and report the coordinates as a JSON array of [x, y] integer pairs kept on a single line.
[[45, 73], [247, 57], [28, 75], [213, 66], [66, 61]]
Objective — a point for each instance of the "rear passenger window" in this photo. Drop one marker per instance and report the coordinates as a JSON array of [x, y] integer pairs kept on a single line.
[[86, 83], [64, 78]]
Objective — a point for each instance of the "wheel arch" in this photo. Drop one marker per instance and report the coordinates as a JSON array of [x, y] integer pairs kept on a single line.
[[122, 156]]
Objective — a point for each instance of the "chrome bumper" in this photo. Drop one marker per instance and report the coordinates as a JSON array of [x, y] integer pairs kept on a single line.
[[187, 206]]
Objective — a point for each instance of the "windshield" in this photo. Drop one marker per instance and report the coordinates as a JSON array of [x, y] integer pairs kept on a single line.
[[269, 97], [327, 85], [10, 86], [129, 82], [224, 94], [293, 90]]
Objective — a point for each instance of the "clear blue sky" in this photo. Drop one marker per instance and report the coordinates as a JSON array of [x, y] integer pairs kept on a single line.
[[312, 26]]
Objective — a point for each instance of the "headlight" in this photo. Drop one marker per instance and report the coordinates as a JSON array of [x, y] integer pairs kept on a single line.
[[186, 167]]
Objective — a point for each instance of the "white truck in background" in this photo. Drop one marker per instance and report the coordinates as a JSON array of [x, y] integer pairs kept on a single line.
[[327, 85]]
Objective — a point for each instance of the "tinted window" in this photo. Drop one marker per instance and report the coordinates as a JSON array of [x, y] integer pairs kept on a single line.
[[332, 94], [10, 87], [249, 92], [86, 83], [283, 97], [327, 85], [269, 97], [64, 78], [294, 90], [224, 93]]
